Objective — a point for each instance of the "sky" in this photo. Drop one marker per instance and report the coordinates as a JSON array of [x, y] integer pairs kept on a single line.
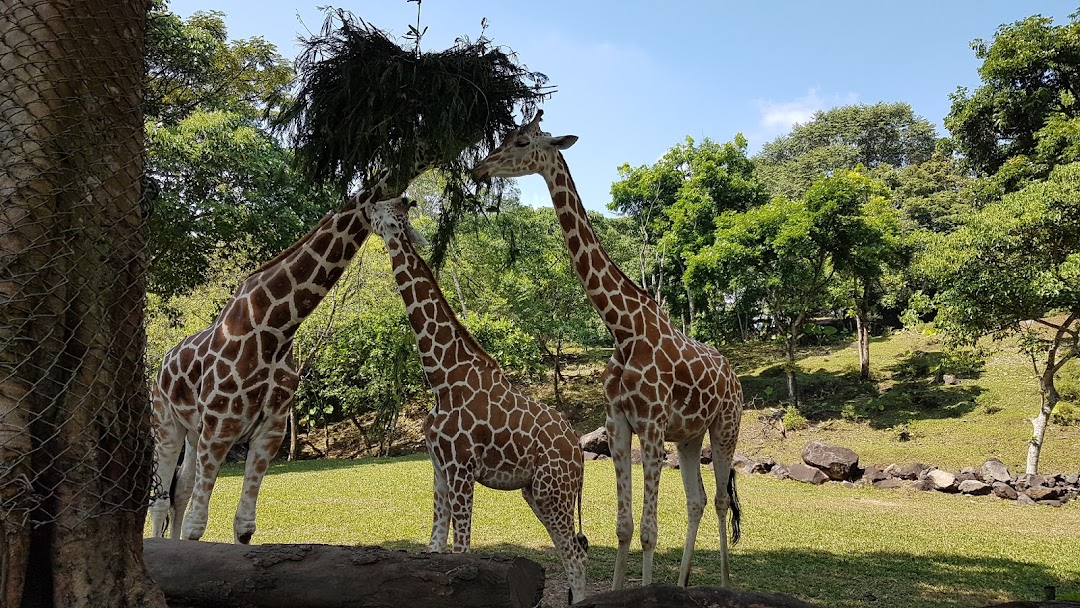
[[635, 78]]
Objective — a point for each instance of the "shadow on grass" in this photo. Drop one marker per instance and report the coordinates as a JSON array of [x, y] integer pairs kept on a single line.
[[878, 578], [236, 469]]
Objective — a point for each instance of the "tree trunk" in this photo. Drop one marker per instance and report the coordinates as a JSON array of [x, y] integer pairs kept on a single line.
[[1049, 401], [862, 325], [460, 294], [789, 370], [74, 425], [558, 372], [328, 576]]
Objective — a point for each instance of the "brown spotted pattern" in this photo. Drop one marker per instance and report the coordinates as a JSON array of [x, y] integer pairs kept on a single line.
[[660, 384], [481, 428], [234, 381]]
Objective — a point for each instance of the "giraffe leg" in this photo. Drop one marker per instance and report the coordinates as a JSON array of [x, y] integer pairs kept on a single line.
[[689, 461], [185, 482], [209, 455], [168, 436], [722, 458], [652, 455], [440, 514], [261, 450], [619, 433], [461, 485], [555, 509]]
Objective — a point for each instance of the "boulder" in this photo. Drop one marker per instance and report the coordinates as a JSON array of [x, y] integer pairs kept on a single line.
[[1003, 490], [973, 487], [1050, 503], [923, 484], [942, 481], [591, 455], [706, 454], [873, 473], [781, 472], [596, 442], [1037, 481], [949, 379], [806, 474], [1072, 479], [891, 483], [994, 470], [837, 462], [1024, 499], [966, 475], [1040, 493], [671, 461], [742, 463], [906, 471]]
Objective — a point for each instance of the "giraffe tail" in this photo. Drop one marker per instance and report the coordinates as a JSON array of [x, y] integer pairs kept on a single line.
[[736, 511], [581, 538]]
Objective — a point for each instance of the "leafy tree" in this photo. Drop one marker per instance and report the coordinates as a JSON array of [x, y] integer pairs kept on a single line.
[[674, 204], [842, 138], [768, 257], [1026, 107], [935, 195], [223, 182], [855, 223], [1014, 269]]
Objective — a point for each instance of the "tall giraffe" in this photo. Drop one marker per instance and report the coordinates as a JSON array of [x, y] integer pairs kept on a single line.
[[235, 379], [660, 384], [481, 428]]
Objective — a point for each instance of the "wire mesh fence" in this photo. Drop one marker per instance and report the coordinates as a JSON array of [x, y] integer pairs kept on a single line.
[[74, 424]]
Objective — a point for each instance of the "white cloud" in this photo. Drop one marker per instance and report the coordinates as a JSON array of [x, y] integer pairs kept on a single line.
[[778, 117]]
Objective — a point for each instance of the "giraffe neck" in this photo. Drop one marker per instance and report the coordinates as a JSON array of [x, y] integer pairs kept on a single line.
[[444, 344], [283, 292], [609, 290]]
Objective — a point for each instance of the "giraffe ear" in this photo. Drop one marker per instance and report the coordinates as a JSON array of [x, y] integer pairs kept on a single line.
[[415, 236], [563, 141]]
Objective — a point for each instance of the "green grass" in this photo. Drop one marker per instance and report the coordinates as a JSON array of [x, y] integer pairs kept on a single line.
[[827, 544]]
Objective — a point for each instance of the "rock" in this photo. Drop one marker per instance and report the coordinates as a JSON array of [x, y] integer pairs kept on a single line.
[[671, 461], [994, 470], [848, 484], [873, 473], [1035, 481], [1039, 493], [742, 463], [706, 454], [1050, 503], [949, 379], [1024, 499], [591, 455], [973, 487], [596, 442], [806, 474], [889, 484], [1072, 479], [963, 476], [906, 471], [767, 464], [780, 471], [1003, 490], [942, 481], [923, 484], [969, 471], [837, 462]]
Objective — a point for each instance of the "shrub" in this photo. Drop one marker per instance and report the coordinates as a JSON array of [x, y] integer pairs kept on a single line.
[[1065, 414], [793, 419]]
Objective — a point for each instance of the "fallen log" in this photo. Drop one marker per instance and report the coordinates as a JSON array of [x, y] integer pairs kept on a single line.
[[670, 596], [218, 575]]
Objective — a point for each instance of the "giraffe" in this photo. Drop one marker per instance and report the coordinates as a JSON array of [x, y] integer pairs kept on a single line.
[[481, 428], [660, 384], [235, 379]]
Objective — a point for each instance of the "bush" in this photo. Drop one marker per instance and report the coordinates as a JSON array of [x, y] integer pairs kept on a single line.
[[1065, 414], [508, 344], [793, 419]]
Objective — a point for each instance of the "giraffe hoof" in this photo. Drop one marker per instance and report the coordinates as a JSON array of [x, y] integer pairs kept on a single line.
[[244, 538]]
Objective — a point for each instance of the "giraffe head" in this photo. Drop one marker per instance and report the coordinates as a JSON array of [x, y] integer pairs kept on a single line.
[[526, 150], [390, 218]]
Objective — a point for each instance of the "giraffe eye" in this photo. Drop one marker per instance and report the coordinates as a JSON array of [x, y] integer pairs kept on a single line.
[[521, 143]]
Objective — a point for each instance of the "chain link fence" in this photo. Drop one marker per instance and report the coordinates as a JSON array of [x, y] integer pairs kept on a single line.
[[74, 418]]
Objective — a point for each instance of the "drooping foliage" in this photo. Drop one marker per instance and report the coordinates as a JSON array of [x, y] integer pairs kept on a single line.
[[366, 103]]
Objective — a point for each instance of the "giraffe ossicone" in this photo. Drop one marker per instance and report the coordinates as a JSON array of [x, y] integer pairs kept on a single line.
[[234, 381], [660, 384], [482, 429]]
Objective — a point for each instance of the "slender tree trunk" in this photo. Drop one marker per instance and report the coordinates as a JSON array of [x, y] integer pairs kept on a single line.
[[74, 425], [789, 370], [862, 326], [293, 443], [558, 372], [457, 290], [1049, 400]]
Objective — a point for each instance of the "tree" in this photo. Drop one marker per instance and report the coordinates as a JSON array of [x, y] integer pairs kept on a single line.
[[855, 223], [842, 138], [1026, 106], [1014, 269], [223, 183], [767, 256], [674, 204], [73, 405]]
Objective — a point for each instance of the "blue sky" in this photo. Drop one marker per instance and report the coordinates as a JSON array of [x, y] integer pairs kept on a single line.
[[635, 78]]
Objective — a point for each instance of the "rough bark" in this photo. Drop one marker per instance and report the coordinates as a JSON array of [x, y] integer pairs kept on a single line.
[[790, 371], [1038, 423], [669, 596], [72, 395], [216, 575], [862, 325]]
